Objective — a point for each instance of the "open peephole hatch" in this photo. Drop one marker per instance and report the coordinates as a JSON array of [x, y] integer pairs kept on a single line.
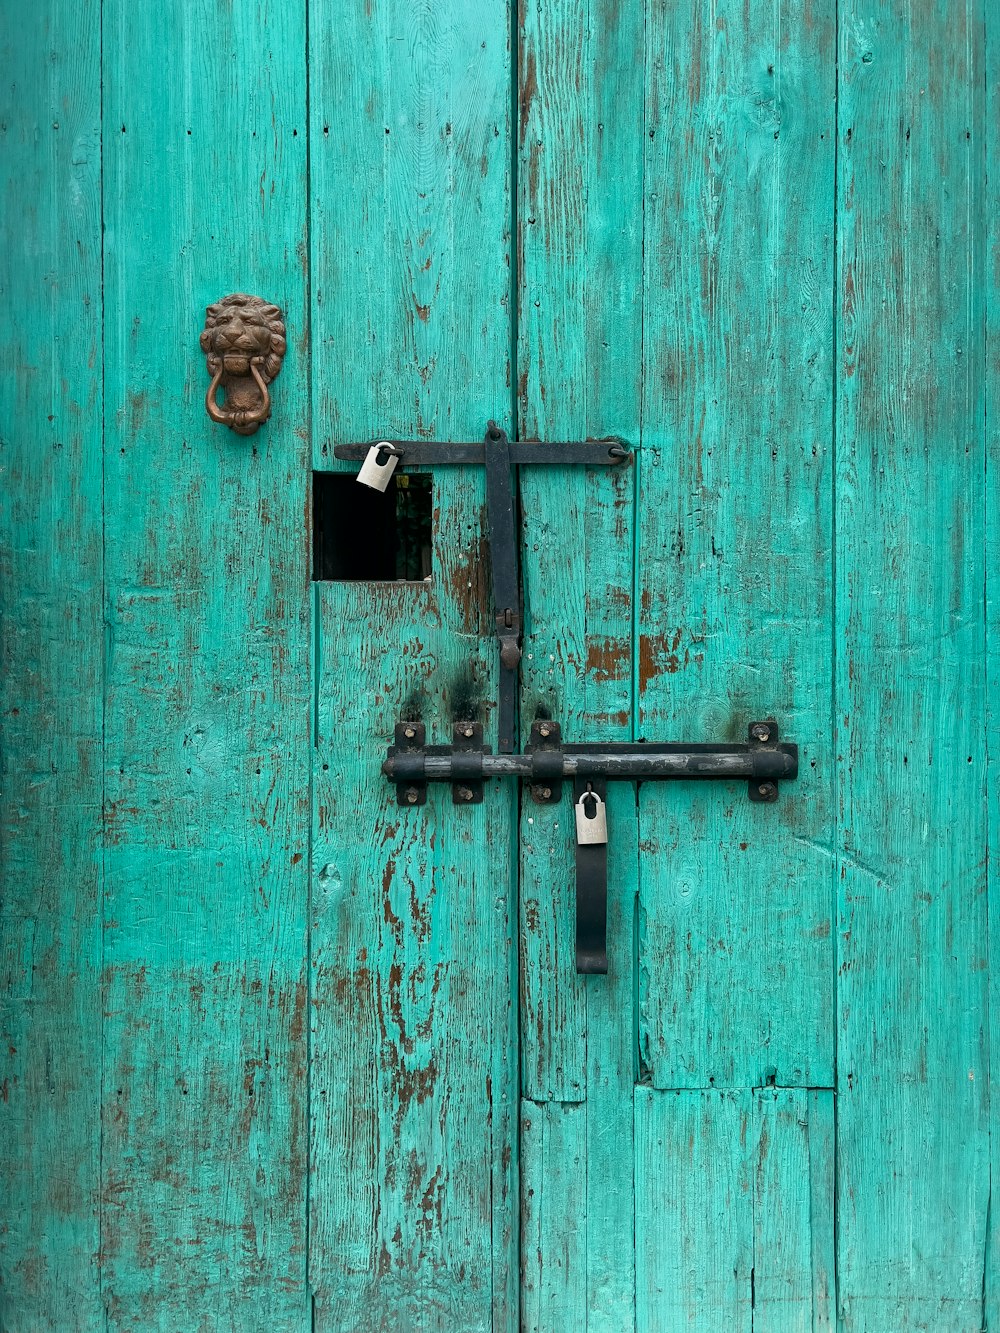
[[372, 535]]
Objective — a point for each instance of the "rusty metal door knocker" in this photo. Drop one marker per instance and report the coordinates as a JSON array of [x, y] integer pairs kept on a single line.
[[244, 345]]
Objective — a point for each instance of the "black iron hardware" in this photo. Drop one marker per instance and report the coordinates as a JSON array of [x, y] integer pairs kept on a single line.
[[761, 760], [547, 763], [591, 885], [501, 457], [436, 453], [506, 588]]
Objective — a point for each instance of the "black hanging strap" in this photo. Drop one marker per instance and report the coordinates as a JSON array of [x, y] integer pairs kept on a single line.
[[591, 892]]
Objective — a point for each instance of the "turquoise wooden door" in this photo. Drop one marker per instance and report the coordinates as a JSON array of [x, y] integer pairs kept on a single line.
[[282, 1054]]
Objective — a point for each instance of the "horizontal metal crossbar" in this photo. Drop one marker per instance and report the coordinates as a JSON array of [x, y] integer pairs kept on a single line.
[[547, 763], [430, 453], [635, 762]]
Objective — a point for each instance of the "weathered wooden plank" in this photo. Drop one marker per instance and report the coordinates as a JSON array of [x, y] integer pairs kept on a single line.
[[554, 1220], [414, 1090], [734, 1210], [913, 1164], [990, 144], [822, 1133], [734, 543], [793, 1236], [208, 699], [694, 1210], [577, 1203], [580, 94], [580, 372], [412, 1047], [50, 668]]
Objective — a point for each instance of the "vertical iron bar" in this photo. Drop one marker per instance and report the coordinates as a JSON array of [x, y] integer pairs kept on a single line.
[[506, 595]]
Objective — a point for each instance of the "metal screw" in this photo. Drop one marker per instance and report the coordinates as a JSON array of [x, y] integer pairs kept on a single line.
[[465, 793], [412, 795], [409, 733], [760, 732], [545, 729], [768, 791], [467, 731], [544, 792]]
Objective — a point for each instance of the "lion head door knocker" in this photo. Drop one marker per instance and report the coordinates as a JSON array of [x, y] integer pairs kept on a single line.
[[244, 346]]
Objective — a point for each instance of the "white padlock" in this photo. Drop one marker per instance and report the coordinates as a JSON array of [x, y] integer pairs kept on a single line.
[[379, 465], [591, 829]]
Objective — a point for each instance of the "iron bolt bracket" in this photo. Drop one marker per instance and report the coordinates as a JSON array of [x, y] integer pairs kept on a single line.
[[546, 764]]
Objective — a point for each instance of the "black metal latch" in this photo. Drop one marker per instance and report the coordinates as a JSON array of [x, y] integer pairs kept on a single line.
[[761, 760], [547, 763], [501, 457]]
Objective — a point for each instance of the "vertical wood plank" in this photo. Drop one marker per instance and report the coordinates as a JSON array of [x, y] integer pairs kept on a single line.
[[822, 1129], [694, 1211], [793, 1252], [580, 375], [208, 703], [50, 668], [913, 1161], [414, 1091], [412, 1041], [577, 1200], [554, 1217], [580, 94], [991, 217], [735, 541], [734, 1210]]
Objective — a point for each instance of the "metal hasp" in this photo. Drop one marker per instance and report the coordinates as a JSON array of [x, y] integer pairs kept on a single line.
[[761, 761], [501, 458]]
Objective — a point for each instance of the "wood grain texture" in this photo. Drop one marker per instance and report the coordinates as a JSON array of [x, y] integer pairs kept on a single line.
[[50, 668], [208, 701], [913, 1179], [414, 1082], [554, 1216], [793, 1224], [779, 282], [410, 217], [734, 545], [577, 1197], [734, 1210], [413, 1026], [580, 356], [580, 101], [990, 149]]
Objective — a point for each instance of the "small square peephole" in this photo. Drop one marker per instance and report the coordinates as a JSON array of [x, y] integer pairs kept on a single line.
[[375, 536]]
